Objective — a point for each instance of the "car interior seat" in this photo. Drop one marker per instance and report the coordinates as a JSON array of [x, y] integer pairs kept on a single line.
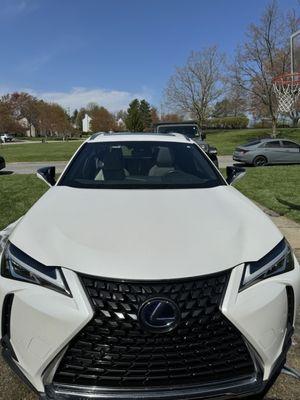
[[164, 163], [113, 165]]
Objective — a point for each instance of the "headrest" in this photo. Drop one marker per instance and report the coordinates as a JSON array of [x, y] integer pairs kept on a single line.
[[113, 161], [164, 158]]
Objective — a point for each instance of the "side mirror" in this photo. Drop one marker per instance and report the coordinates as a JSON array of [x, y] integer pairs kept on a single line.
[[203, 135], [234, 174], [47, 174]]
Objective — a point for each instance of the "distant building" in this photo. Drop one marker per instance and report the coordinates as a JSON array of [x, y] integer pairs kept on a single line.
[[121, 124], [86, 123], [31, 131]]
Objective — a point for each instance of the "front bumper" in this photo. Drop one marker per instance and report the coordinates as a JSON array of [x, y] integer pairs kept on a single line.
[[228, 391], [260, 313]]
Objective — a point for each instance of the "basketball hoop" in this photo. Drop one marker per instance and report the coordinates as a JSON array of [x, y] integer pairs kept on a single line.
[[287, 90]]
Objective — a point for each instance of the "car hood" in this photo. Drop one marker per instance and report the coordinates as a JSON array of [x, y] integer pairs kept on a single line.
[[145, 234]]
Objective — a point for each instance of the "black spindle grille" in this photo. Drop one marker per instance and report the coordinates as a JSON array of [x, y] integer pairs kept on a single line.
[[114, 350]]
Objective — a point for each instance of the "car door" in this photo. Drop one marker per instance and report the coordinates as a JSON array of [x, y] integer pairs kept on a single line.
[[272, 150], [291, 151]]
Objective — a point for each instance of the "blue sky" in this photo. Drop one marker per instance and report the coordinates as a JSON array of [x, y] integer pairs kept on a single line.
[[109, 51]]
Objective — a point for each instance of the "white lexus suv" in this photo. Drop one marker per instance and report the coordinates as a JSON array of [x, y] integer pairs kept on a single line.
[[142, 274]]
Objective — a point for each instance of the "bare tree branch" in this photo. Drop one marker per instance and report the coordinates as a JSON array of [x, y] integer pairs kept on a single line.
[[196, 86]]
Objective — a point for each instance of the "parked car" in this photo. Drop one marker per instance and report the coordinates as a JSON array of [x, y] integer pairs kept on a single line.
[[191, 130], [268, 151], [6, 137], [170, 285], [2, 163]]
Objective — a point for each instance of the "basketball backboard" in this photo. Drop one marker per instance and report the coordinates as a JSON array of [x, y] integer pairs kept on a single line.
[[295, 52]]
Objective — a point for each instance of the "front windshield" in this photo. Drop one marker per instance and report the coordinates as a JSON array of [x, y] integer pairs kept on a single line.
[[187, 130], [140, 164]]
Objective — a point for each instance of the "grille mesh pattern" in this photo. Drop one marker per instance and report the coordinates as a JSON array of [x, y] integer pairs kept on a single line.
[[115, 351]]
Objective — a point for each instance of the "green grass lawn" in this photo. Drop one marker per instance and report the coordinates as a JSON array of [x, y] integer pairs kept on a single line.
[[269, 186], [227, 140], [52, 151], [17, 194], [276, 187]]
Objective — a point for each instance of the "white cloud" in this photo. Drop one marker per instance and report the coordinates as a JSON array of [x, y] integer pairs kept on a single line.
[[14, 8], [114, 100]]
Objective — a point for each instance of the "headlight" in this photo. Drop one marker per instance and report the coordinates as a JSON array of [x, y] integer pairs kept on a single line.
[[17, 265], [277, 261]]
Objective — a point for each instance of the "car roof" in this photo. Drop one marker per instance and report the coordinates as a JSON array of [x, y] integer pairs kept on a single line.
[[274, 139], [138, 137], [263, 140]]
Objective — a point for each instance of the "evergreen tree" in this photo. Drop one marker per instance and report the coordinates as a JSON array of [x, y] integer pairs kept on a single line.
[[146, 114], [74, 116], [134, 120]]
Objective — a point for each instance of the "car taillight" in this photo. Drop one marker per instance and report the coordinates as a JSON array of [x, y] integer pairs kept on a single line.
[[242, 151]]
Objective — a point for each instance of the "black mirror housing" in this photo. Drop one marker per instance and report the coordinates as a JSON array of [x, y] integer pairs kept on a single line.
[[234, 173], [47, 174]]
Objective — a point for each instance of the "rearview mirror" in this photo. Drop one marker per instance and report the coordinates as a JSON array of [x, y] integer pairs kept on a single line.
[[234, 174], [47, 174]]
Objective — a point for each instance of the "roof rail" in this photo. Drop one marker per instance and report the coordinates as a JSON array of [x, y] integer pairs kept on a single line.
[[96, 135]]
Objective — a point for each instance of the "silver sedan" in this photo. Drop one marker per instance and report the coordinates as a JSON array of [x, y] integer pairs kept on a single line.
[[268, 151]]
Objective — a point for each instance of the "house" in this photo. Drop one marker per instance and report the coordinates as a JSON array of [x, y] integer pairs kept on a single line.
[[86, 123], [31, 130], [121, 124]]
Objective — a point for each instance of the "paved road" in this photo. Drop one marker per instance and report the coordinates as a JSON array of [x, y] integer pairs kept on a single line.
[[32, 167], [36, 141]]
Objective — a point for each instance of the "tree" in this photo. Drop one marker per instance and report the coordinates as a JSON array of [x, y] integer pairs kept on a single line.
[[23, 105], [229, 107], [222, 108], [238, 100], [154, 116], [146, 116], [196, 86], [172, 117], [102, 120], [134, 119], [53, 120], [7, 121], [74, 116], [121, 114], [264, 55], [79, 118]]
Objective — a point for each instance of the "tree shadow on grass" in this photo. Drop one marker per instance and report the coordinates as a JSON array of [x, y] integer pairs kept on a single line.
[[6, 172], [286, 203]]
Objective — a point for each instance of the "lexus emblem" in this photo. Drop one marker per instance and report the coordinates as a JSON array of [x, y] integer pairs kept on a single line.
[[159, 315]]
